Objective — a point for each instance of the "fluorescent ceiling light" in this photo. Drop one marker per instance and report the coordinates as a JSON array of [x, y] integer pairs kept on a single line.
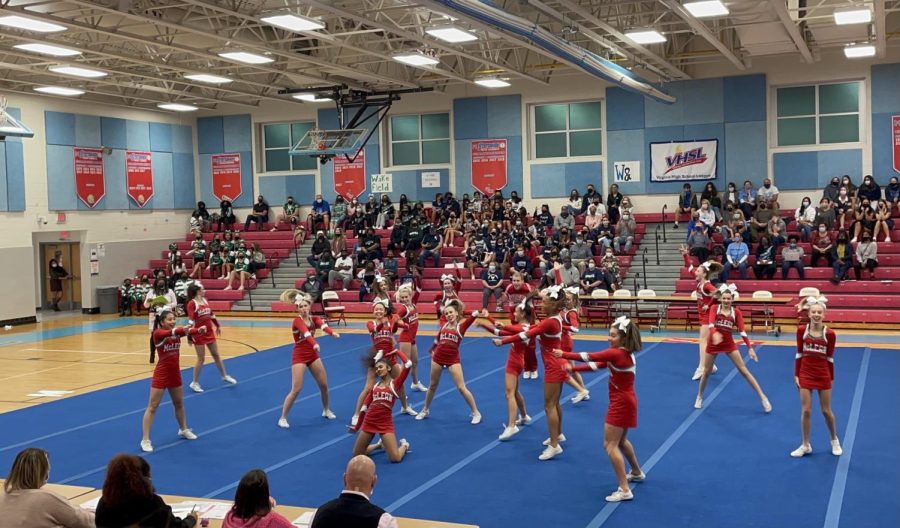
[[706, 8], [492, 83], [859, 51], [58, 90], [451, 34], [854, 15], [293, 22], [645, 36], [176, 107], [78, 71], [246, 57], [310, 98], [207, 78], [47, 49], [415, 58], [30, 24]]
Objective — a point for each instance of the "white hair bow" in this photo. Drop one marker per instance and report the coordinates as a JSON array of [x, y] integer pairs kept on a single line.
[[198, 284], [705, 265], [301, 298], [816, 300], [728, 288], [447, 276], [622, 323], [522, 305], [552, 292], [161, 309], [571, 289], [383, 302]]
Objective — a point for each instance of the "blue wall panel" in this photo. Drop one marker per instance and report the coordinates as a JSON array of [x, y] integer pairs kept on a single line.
[[745, 152], [579, 175], [15, 176], [885, 92], [745, 98], [837, 163], [248, 196], [4, 201], [237, 130], [882, 147], [137, 134], [61, 177], [328, 119], [404, 182], [624, 110], [504, 116], [462, 150], [183, 180], [112, 133], [795, 170], [206, 181], [628, 145], [273, 188], [658, 114], [513, 165], [163, 189], [60, 128], [547, 180], [703, 102], [182, 139], [114, 176], [470, 118], [87, 131], [160, 137], [302, 187], [210, 135]]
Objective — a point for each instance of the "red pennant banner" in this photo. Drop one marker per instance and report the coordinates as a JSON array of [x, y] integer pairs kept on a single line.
[[489, 165], [226, 176], [139, 176], [350, 177], [89, 184], [895, 135]]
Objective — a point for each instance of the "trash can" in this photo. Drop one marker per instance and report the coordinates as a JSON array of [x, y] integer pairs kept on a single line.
[[108, 299]]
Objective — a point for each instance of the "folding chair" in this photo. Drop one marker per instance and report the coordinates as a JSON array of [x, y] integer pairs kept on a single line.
[[597, 310], [644, 313], [333, 313], [616, 310]]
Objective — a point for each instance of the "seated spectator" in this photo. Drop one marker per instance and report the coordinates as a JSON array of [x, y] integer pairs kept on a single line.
[[613, 201], [575, 202], [451, 204], [320, 246], [869, 190], [832, 189], [843, 207], [367, 277], [414, 236], [698, 243], [321, 213], [821, 246], [290, 214], [370, 247], [591, 279], [259, 214], [805, 216], [588, 198], [241, 271], [568, 275], [711, 195], [765, 259], [338, 242], [592, 218], [198, 253], [776, 229], [313, 286], [892, 193], [734, 225], [182, 282], [371, 209], [544, 218], [431, 248], [390, 268], [747, 199], [412, 277], [866, 256], [216, 262], [609, 266], [492, 284], [883, 221], [522, 263], [707, 214], [23, 502], [687, 203], [339, 213], [624, 234], [356, 221], [792, 257], [353, 508], [841, 256], [580, 252], [564, 220], [385, 212], [731, 198], [736, 256], [768, 194], [825, 215], [452, 230], [129, 498], [847, 182], [865, 219], [324, 266], [253, 506], [257, 259], [626, 206], [226, 215], [604, 233], [398, 240], [343, 271], [200, 218]]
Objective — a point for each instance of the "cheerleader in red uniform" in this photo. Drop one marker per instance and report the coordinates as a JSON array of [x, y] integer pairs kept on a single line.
[[382, 329], [306, 354], [570, 327], [200, 314], [450, 286], [516, 292], [406, 313], [523, 317], [624, 341], [549, 332], [722, 322], [445, 355], [166, 341], [376, 417], [705, 301], [814, 371]]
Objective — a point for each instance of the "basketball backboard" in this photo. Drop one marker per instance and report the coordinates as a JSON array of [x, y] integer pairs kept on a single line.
[[330, 143], [9, 125]]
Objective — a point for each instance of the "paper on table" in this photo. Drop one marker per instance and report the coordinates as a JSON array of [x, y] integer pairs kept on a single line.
[[305, 519], [209, 510], [91, 505]]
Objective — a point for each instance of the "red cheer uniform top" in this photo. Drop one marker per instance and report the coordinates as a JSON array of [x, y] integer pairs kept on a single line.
[[570, 327], [515, 363], [305, 339], [622, 411], [378, 409], [382, 335], [167, 373], [443, 297], [445, 349], [200, 314], [407, 314], [549, 332], [705, 299], [514, 296], [725, 324], [814, 362]]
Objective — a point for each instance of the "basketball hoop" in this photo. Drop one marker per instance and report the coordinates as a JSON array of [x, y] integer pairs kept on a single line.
[[3, 104], [316, 137]]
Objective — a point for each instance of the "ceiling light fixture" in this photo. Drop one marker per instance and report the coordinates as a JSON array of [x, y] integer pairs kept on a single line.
[[47, 49], [292, 22], [207, 78], [451, 34], [177, 107], [310, 98], [706, 8], [246, 57], [492, 82], [858, 51], [59, 90], [30, 24], [416, 58], [645, 36], [853, 15], [78, 71]]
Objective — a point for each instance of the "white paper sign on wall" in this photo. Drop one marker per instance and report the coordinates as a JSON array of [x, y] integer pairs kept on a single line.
[[627, 171], [382, 183], [431, 179]]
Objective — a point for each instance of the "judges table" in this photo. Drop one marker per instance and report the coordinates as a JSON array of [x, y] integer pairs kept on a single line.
[[69, 492], [292, 513]]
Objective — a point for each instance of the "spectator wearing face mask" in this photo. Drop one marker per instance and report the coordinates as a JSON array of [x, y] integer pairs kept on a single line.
[[564, 220], [580, 252], [841, 256], [604, 233], [843, 206], [431, 248], [592, 218], [226, 215], [588, 198], [568, 274], [321, 212], [414, 237], [805, 216], [711, 195], [370, 247], [324, 267], [591, 279], [892, 193], [338, 213], [792, 257], [320, 246], [624, 234], [832, 189], [883, 220], [613, 201], [521, 263], [687, 203], [290, 214], [492, 284], [825, 215], [736, 256], [821, 246], [698, 244], [386, 212], [259, 214], [765, 259], [707, 214], [574, 203], [200, 218], [313, 286], [768, 194], [865, 219], [776, 229], [731, 198], [609, 266], [866, 256], [747, 199], [869, 190]]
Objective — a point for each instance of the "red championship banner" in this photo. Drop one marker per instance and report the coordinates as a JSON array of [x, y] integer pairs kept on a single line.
[[895, 138], [139, 176], [89, 184], [226, 176], [489, 165], [350, 177]]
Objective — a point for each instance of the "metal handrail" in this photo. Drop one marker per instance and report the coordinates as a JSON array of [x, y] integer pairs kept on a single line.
[[656, 234], [296, 252], [644, 266], [665, 206]]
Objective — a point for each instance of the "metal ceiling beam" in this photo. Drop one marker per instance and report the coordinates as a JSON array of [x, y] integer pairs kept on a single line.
[[587, 15], [780, 8], [704, 32], [880, 23]]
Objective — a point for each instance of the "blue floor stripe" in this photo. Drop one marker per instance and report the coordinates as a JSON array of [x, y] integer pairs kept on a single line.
[[836, 501], [78, 329]]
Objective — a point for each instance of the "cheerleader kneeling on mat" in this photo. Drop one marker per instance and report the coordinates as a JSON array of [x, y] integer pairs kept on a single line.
[[376, 416]]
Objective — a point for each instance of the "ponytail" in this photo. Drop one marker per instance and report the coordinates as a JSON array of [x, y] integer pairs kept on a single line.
[[631, 340]]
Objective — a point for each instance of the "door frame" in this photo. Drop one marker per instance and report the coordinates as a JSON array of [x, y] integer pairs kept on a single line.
[[74, 267]]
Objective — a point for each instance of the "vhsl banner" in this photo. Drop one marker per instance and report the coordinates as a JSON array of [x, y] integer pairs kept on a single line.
[[683, 161]]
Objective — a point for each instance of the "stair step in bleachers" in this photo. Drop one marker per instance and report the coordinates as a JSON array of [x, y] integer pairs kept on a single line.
[[792, 287], [819, 273]]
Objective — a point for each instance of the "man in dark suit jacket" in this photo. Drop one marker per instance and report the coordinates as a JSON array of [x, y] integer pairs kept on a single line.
[[352, 507]]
